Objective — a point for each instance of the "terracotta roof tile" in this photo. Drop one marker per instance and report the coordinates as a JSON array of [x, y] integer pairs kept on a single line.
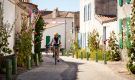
[[105, 18]]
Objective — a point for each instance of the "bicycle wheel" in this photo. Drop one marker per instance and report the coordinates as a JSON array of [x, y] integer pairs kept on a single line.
[[55, 58]]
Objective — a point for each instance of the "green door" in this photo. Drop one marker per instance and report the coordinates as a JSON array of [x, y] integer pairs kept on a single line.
[[47, 40]]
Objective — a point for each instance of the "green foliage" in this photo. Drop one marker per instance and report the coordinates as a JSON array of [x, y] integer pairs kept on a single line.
[[5, 30], [4, 35], [38, 36], [93, 55], [131, 51], [93, 44], [93, 40], [76, 49], [114, 48], [24, 44]]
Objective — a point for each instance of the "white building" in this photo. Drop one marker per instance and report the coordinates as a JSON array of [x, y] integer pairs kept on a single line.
[[9, 18], [113, 14], [62, 22], [96, 14]]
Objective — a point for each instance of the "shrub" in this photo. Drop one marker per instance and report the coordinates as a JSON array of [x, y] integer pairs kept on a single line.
[[114, 48], [93, 44]]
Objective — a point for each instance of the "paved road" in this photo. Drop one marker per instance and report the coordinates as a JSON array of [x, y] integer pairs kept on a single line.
[[49, 71], [90, 70], [71, 69]]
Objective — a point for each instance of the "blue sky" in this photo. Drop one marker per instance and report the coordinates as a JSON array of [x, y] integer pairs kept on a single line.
[[67, 5]]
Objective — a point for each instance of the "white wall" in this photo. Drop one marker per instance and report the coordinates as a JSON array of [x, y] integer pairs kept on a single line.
[[90, 25], [9, 17]]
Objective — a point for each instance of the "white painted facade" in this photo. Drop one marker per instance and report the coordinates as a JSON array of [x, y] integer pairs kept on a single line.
[[87, 26], [9, 18], [59, 27]]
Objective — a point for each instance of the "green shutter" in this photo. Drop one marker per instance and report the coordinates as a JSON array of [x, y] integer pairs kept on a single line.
[[128, 1], [120, 2], [120, 31], [128, 32], [47, 40]]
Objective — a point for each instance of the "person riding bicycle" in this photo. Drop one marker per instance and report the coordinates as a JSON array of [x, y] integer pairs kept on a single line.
[[56, 42]]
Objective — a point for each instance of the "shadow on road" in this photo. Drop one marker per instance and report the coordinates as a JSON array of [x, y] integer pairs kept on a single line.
[[71, 72]]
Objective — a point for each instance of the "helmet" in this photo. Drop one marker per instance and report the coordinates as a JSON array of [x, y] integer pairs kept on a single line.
[[55, 34]]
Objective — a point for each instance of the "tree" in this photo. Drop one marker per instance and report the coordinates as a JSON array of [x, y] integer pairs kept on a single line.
[[38, 36]]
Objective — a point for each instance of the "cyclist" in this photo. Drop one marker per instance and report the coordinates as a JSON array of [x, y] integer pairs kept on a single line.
[[56, 45]]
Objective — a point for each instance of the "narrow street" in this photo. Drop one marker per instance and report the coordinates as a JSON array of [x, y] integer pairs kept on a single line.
[[72, 69], [49, 71], [99, 30]]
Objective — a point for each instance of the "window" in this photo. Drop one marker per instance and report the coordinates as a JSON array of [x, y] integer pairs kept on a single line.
[[84, 13], [0, 8], [89, 11]]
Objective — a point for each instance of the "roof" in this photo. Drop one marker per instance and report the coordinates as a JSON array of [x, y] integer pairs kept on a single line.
[[62, 14], [53, 25], [105, 18], [31, 5]]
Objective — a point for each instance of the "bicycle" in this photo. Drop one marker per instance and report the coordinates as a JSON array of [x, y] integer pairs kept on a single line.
[[56, 53]]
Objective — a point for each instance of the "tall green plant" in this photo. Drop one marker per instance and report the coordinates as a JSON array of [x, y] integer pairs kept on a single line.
[[93, 40], [93, 44], [131, 51], [24, 45], [114, 48], [38, 36]]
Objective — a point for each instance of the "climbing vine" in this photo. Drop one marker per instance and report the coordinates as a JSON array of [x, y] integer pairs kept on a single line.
[[5, 30], [131, 51], [24, 44], [4, 35]]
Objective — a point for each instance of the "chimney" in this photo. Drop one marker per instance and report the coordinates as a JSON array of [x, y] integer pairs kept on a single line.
[[55, 13]]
